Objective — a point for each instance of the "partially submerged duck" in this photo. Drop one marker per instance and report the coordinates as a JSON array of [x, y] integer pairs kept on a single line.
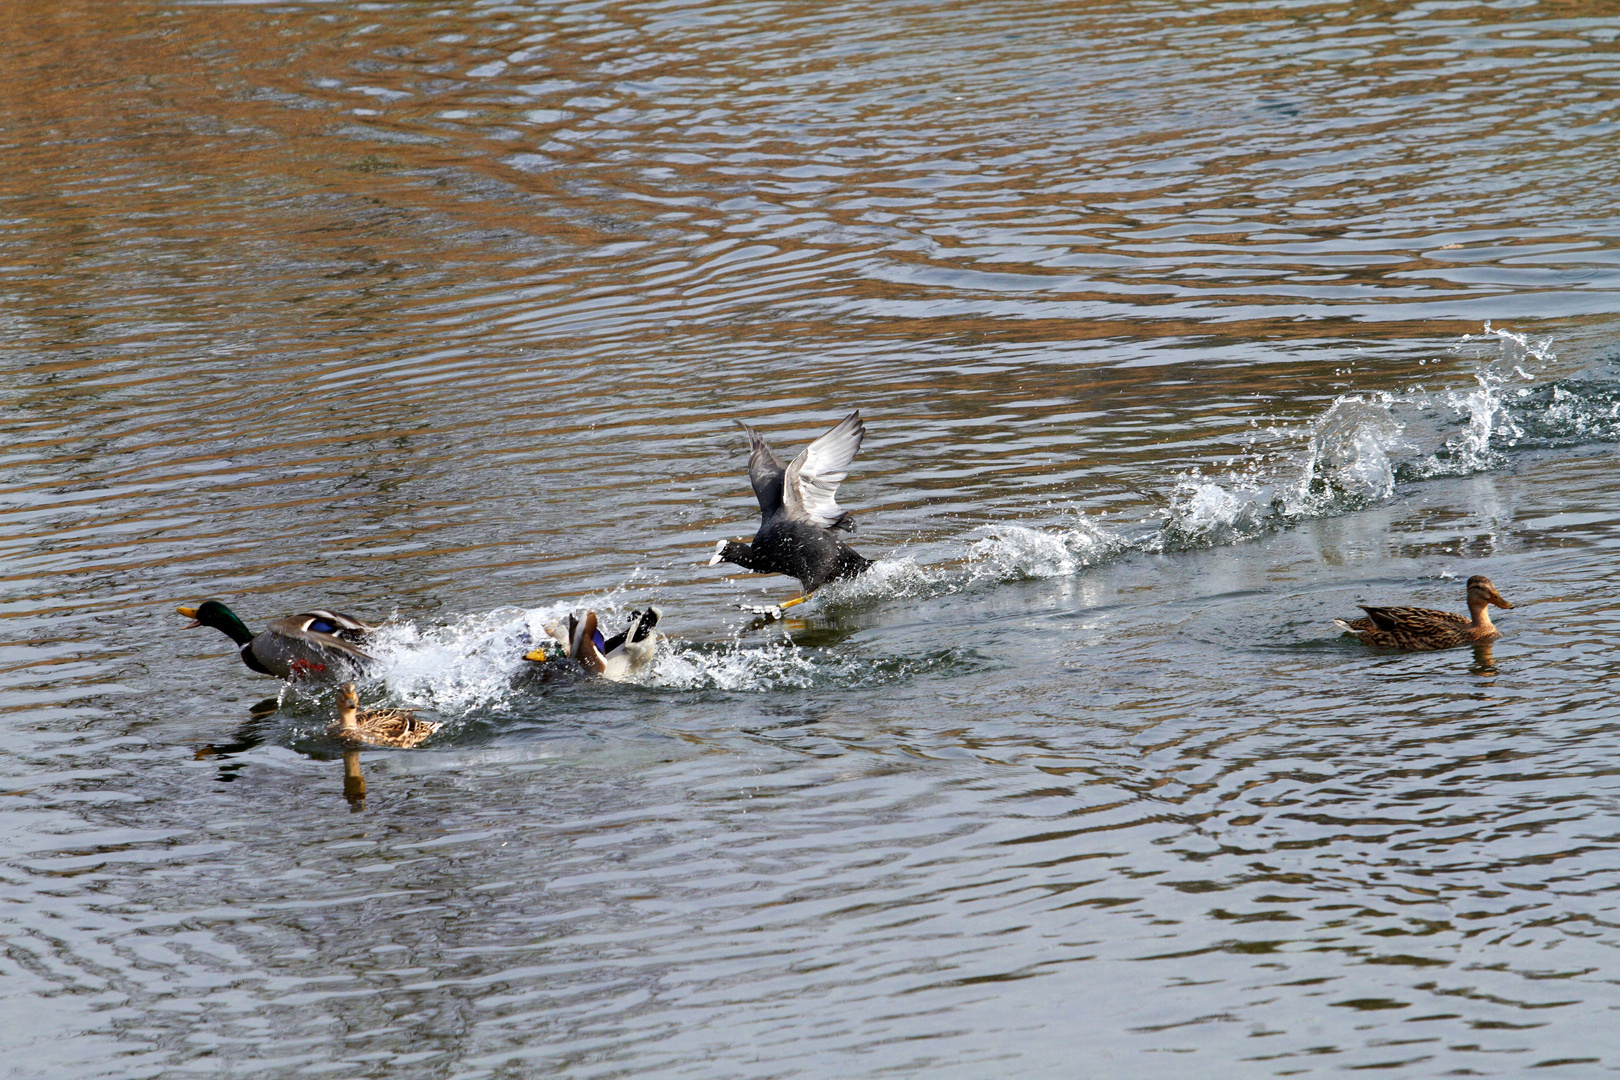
[[1421, 629], [798, 511], [316, 643], [398, 728], [615, 658]]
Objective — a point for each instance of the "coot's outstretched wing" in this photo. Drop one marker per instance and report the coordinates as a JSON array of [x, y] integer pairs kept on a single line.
[[811, 480], [764, 472]]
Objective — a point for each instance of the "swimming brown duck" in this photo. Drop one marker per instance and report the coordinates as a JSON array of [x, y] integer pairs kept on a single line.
[[398, 728], [1422, 629]]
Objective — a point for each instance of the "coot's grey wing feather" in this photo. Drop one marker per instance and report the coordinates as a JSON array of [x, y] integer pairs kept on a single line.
[[812, 479], [764, 472]]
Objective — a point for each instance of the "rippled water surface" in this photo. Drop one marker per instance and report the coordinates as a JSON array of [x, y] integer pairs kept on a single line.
[[1179, 330]]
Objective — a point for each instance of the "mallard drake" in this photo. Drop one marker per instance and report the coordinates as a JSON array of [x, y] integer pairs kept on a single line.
[[317, 643], [398, 728], [1425, 628], [615, 658], [798, 511]]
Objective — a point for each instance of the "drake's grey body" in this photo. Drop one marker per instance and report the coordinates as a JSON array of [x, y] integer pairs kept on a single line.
[[312, 644], [798, 511]]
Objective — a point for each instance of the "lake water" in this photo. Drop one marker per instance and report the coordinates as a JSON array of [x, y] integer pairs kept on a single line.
[[1178, 331]]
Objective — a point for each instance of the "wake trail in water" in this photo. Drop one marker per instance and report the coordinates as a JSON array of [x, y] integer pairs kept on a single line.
[[1354, 454], [474, 663]]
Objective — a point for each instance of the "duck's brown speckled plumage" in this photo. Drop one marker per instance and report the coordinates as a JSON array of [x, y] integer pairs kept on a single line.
[[1421, 629], [398, 728]]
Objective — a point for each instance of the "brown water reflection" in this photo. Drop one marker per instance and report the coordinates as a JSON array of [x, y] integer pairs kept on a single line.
[[354, 784]]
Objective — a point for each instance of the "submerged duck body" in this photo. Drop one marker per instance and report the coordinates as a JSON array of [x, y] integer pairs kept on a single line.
[[616, 658], [397, 728], [311, 644], [798, 510], [1423, 629]]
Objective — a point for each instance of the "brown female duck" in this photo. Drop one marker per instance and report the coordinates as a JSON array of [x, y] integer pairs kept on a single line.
[[1425, 628], [398, 728]]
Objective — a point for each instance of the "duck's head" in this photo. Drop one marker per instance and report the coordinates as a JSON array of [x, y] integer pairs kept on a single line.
[[546, 653], [348, 697], [551, 647], [217, 615], [1482, 592]]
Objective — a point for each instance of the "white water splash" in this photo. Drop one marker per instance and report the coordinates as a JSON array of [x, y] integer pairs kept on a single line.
[[467, 664], [476, 661], [1016, 551], [1351, 455], [734, 667], [1488, 421], [1557, 415], [1358, 449], [1206, 513], [889, 578]]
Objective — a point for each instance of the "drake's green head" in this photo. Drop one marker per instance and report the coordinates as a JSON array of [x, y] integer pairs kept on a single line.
[[221, 618]]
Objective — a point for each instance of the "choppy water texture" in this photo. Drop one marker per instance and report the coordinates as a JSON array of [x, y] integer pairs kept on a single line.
[[1179, 329]]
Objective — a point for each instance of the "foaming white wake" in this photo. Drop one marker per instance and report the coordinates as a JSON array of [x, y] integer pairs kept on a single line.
[[1352, 455], [889, 578], [466, 664], [475, 662], [1356, 451], [1012, 552], [734, 666]]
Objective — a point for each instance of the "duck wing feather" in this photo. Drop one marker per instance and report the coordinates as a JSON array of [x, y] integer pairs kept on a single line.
[[764, 472], [344, 626], [584, 647], [812, 480], [296, 628], [1417, 619]]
